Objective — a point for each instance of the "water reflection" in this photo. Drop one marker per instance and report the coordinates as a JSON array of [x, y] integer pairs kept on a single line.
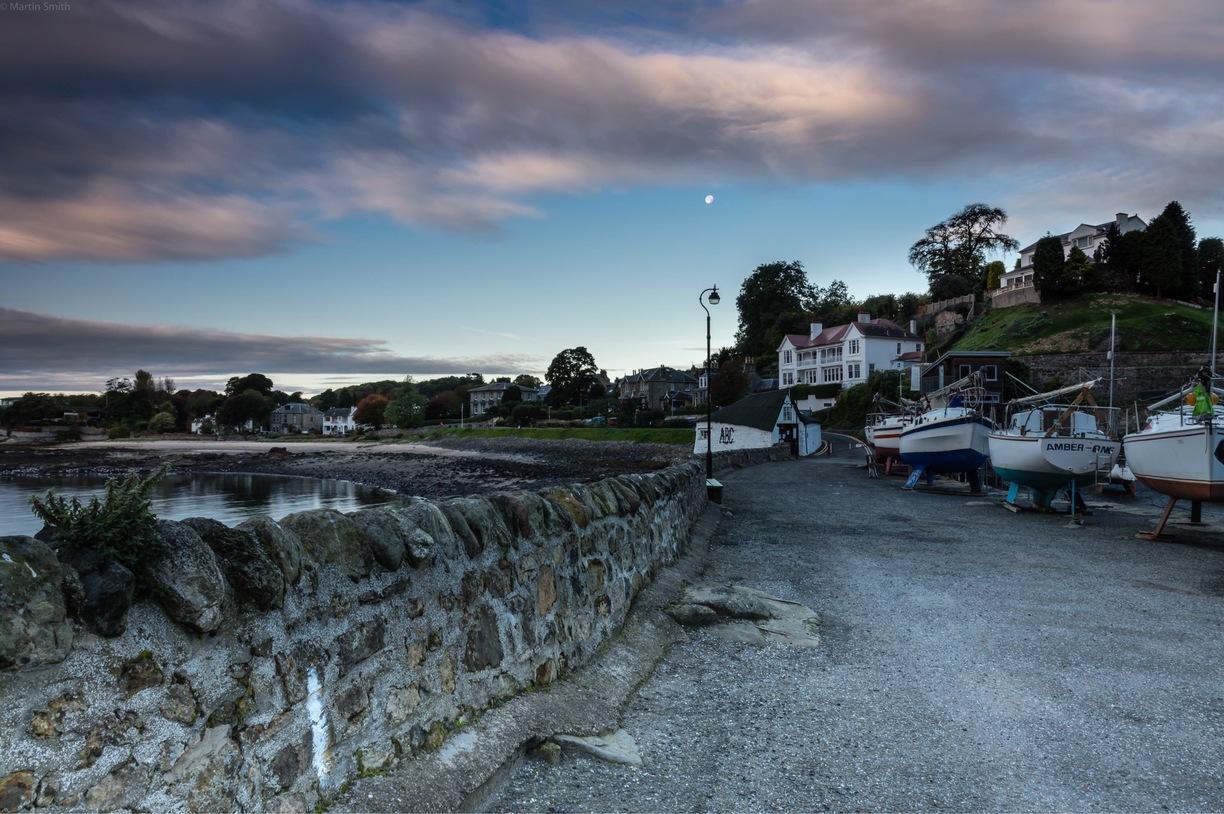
[[230, 498]]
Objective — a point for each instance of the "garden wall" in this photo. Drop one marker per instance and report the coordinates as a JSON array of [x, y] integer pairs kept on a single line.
[[276, 661]]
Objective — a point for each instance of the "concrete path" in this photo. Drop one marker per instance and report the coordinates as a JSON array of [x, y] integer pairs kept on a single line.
[[970, 659]]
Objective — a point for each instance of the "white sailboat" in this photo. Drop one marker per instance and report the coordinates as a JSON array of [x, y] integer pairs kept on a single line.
[[952, 437], [884, 426], [1046, 446], [1179, 452]]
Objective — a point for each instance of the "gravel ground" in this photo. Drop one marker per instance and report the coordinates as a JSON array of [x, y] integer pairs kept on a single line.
[[469, 466], [971, 659]]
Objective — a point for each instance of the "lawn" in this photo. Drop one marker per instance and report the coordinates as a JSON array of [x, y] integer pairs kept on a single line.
[[631, 435], [1082, 324]]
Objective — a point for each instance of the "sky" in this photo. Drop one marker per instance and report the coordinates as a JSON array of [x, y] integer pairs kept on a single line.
[[332, 192]]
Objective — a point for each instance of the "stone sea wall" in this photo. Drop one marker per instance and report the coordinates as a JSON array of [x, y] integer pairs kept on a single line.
[[1137, 375], [268, 664]]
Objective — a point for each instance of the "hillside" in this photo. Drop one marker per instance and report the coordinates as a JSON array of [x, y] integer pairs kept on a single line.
[[1082, 324]]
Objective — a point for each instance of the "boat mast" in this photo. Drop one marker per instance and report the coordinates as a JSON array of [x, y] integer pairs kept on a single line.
[[1215, 321], [1113, 326]]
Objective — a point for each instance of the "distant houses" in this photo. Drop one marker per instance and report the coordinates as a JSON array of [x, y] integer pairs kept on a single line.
[[339, 421], [484, 398], [296, 417], [1086, 237], [659, 388]]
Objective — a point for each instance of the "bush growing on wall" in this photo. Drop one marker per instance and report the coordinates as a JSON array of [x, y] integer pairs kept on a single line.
[[120, 525]]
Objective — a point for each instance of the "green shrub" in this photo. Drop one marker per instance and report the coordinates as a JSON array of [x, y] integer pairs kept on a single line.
[[162, 422], [120, 525], [118, 432]]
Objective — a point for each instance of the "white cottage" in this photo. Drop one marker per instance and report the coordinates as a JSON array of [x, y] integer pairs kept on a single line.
[[757, 421], [846, 354], [339, 421]]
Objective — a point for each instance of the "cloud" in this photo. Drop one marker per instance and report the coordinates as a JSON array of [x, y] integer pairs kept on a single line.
[[141, 130], [43, 352]]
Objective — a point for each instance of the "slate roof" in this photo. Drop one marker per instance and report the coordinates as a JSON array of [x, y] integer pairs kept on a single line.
[[878, 327], [910, 356], [759, 410], [661, 374], [341, 413], [494, 387], [296, 407]]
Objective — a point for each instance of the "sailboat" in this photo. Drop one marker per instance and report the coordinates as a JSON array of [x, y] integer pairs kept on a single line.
[[1180, 452], [884, 426], [951, 436], [1046, 446]]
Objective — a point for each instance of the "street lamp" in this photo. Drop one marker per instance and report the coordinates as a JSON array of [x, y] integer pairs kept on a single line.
[[712, 299]]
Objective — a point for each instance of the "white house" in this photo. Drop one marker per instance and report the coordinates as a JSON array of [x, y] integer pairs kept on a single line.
[[1086, 237], [846, 354], [339, 421], [198, 424], [481, 399], [756, 421]]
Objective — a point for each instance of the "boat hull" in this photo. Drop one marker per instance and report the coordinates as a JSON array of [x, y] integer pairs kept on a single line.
[[955, 444], [1184, 462], [885, 439], [1022, 459]]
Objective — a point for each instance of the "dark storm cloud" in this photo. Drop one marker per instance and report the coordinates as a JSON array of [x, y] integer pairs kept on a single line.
[[40, 351], [143, 130]]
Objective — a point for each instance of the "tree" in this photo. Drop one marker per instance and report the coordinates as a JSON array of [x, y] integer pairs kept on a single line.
[[444, 404], [882, 305], [1078, 272], [958, 246], [994, 272], [371, 410], [1210, 262], [143, 382], [526, 380], [249, 405], [947, 286], [772, 289], [729, 384], [252, 381], [407, 405], [1160, 263], [161, 422], [570, 373], [512, 394], [1188, 277], [1048, 262]]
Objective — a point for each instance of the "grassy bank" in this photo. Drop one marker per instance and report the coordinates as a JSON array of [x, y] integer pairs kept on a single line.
[[1082, 324], [631, 435]]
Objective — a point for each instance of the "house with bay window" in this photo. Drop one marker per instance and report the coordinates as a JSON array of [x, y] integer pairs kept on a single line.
[[847, 354]]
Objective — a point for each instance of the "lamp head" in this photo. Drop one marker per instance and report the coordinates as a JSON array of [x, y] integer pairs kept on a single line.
[[713, 299]]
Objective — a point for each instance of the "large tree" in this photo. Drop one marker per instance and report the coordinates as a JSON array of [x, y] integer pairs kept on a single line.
[[1048, 262], [527, 380], [251, 381], [957, 247], [249, 405], [407, 405], [372, 410], [772, 291], [570, 374], [729, 384], [1160, 264], [1210, 262], [1188, 273]]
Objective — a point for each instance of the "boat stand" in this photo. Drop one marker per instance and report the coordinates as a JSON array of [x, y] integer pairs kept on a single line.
[[1158, 532], [916, 473]]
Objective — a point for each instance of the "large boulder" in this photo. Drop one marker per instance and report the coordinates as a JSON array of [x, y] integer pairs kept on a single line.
[[328, 536], [387, 531], [257, 580], [437, 538], [34, 625], [183, 574], [106, 590], [280, 544]]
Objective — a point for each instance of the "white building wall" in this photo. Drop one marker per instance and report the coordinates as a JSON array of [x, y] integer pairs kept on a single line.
[[733, 436]]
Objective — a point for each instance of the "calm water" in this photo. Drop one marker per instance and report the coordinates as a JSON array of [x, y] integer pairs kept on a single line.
[[228, 498]]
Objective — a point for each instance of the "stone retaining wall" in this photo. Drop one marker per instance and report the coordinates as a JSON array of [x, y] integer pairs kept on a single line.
[[1137, 375], [276, 661]]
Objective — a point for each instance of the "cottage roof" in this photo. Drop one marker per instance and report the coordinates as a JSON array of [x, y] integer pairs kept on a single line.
[[878, 327], [759, 410], [664, 374], [909, 356], [296, 407], [338, 413], [1131, 223], [494, 387]]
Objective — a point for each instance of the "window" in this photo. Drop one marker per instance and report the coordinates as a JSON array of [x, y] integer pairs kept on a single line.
[[1083, 242], [917, 346], [853, 371], [788, 378], [786, 357], [871, 368], [811, 375], [991, 372], [854, 347], [832, 374], [898, 348], [962, 371]]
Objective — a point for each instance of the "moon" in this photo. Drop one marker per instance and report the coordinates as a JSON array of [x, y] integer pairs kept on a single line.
[[709, 199]]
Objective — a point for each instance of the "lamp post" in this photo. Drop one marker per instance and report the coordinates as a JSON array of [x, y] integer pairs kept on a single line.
[[712, 299]]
